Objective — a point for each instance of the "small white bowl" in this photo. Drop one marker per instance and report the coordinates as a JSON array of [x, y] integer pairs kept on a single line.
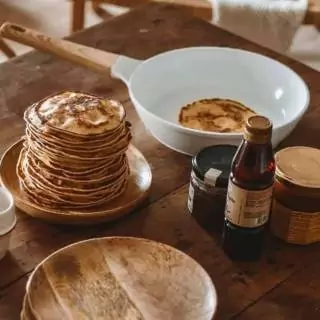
[[7, 220]]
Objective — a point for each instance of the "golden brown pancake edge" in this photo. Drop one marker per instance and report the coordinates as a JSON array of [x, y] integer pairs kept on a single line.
[[215, 115]]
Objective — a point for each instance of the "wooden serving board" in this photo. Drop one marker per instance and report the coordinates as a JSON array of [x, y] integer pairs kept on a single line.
[[137, 190]]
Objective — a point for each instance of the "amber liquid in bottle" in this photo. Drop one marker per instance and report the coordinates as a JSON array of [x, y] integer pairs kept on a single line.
[[249, 192]]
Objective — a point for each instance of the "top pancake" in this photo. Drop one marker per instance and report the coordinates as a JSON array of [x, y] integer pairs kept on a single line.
[[75, 113], [215, 115]]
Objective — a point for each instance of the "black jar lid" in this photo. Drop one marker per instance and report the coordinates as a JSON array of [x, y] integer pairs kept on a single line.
[[218, 158]]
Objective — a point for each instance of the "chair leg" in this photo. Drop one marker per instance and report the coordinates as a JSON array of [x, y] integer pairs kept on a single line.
[[313, 14], [78, 11], [6, 49], [102, 13]]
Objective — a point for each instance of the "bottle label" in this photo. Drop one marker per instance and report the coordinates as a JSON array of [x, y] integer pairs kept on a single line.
[[248, 208], [190, 197], [297, 227]]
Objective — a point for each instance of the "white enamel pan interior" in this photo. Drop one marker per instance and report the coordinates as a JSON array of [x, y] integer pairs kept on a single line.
[[161, 85]]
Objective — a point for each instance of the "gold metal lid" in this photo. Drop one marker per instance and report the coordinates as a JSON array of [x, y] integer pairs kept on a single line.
[[299, 166], [258, 129]]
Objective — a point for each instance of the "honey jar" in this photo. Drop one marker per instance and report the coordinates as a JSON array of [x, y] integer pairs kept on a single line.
[[208, 185], [295, 214]]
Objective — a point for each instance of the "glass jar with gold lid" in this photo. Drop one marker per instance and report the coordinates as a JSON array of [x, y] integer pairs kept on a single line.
[[296, 206]]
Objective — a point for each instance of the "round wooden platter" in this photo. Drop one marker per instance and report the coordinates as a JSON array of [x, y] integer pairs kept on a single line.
[[120, 278], [137, 190], [26, 313]]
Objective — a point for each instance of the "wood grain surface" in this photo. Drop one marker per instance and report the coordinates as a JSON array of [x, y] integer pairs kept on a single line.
[[271, 287], [120, 278]]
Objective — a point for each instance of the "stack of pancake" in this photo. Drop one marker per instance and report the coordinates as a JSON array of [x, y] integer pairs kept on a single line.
[[74, 152]]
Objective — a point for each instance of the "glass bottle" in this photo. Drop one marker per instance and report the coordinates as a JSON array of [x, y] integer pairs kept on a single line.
[[250, 192]]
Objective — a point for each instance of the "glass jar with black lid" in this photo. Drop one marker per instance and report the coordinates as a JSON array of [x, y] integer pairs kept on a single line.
[[208, 185]]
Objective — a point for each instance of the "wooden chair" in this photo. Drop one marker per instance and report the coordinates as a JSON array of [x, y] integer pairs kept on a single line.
[[200, 8], [6, 49]]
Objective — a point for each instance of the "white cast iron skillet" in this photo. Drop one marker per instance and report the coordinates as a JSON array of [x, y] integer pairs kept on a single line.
[[159, 86]]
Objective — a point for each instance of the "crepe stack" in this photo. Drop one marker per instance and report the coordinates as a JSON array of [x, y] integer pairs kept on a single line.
[[74, 152]]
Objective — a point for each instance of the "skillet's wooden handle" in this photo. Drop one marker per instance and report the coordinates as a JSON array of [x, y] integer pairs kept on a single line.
[[88, 57]]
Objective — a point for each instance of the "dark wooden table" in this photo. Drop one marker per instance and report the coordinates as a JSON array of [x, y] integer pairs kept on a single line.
[[285, 284]]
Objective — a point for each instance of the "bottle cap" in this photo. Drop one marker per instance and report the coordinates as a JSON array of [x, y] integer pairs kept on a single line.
[[258, 129], [299, 166]]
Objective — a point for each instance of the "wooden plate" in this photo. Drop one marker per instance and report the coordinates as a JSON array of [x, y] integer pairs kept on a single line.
[[120, 278], [26, 313], [137, 191]]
